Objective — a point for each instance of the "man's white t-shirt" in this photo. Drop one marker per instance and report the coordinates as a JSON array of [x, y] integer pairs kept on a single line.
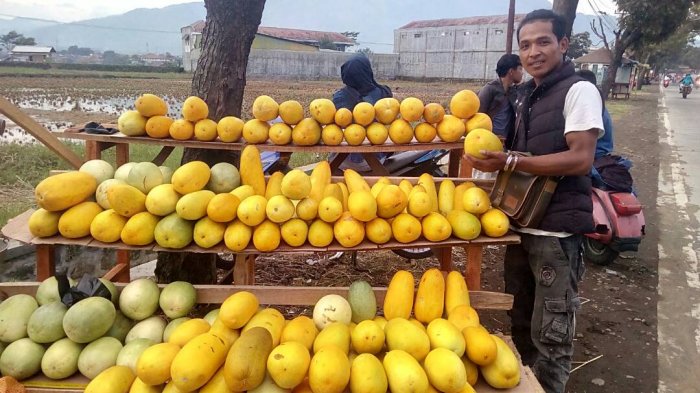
[[583, 111]]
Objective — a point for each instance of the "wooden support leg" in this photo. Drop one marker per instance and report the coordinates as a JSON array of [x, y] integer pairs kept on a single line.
[[444, 256], [45, 261], [377, 168], [453, 170], [473, 267], [335, 164], [123, 154], [123, 260], [244, 270], [92, 150]]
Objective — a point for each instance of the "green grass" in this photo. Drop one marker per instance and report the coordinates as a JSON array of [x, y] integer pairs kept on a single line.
[[26, 71]]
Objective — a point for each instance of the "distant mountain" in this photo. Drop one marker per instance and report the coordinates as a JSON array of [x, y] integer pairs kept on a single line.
[[158, 29]]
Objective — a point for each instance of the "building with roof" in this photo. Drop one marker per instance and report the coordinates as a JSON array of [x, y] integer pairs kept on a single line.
[[599, 60], [458, 48], [274, 38], [31, 53]]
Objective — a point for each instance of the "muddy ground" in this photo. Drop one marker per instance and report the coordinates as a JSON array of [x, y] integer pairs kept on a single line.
[[616, 339]]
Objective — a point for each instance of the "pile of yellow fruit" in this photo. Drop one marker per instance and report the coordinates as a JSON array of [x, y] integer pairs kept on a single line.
[[345, 347], [402, 122], [142, 204]]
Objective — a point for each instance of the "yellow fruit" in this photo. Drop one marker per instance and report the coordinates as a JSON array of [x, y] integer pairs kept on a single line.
[[446, 196], [159, 126], [291, 112], [279, 209], [294, 232], [463, 316], [336, 334], [349, 231], [363, 113], [404, 373], [75, 222], [173, 232], [343, 117], [193, 206], [494, 223], [504, 372], [139, 230], [43, 223], [481, 139], [407, 336], [243, 192], [246, 361], [307, 132], [456, 291], [320, 233], [476, 201], [481, 347], [330, 209], [386, 110], [346, 193], [198, 361], [479, 120], [307, 209], [132, 123], [443, 334], [367, 375], [230, 129], [406, 228], [256, 131], [266, 236], [425, 132], [251, 210], [191, 177], [354, 181], [322, 110], [188, 330], [377, 133], [459, 194], [303, 387], [288, 363], [378, 231], [194, 109], [433, 113], [362, 205], [354, 134], [411, 109], [436, 227], [274, 185], [265, 108], [450, 128], [251, 170], [320, 179], [59, 192], [222, 207], [238, 309], [115, 379], [296, 184], [430, 297], [426, 180], [398, 301], [472, 371], [208, 233], [217, 384], [301, 329], [332, 135], [419, 204], [205, 130], [391, 201], [280, 134], [181, 130], [445, 370], [237, 236], [140, 387], [406, 186], [270, 319], [106, 226], [151, 105], [465, 226], [400, 131], [153, 366], [329, 371], [464, 104], [367, 337]]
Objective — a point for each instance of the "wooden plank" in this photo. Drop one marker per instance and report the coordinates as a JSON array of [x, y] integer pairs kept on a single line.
[[122, 153], [39, 132], [124, 262], [45, 261], [473, 267], [455, 163], [244, 270], [162, 155]]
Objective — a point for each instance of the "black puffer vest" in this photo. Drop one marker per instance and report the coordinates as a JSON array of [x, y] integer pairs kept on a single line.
[[540, 130]]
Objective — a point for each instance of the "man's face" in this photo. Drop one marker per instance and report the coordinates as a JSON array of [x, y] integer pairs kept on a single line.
[[540, 52], [516, 74]]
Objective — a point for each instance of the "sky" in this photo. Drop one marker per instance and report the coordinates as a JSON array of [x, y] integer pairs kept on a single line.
[[75, 10]]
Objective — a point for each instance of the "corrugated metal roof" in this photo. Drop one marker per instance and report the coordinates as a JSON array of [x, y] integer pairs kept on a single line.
[[291, 34], [468, 21], [32, 49]]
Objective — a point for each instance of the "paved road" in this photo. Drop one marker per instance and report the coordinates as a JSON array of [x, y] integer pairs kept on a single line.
[[678, 206]]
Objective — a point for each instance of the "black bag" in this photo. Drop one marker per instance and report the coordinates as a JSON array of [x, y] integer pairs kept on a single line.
[[614, 173]]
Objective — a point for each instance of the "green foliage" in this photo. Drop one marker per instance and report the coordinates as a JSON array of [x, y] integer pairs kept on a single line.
[[327, 43], [645, 22], [365, 51], [13, 38], [351, 34], [579, 45]]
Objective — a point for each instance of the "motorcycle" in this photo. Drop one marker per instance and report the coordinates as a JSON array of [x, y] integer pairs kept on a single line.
[[686, 89], [619, 226], [666, 82]]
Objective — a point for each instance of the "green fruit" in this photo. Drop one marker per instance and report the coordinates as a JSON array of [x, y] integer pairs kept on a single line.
[[46, 323], [362, 301], [98, 356], [15, 312], [61, 359], [21, 359], [177, 299], [89, 319], [129, 354], [139, 299]]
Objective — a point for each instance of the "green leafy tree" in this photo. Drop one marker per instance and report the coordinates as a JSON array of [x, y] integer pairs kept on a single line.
[[352, 35], [580, 44], [327, 43], [13, 38]]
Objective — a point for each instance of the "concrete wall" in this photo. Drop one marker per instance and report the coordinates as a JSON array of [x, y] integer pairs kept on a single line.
[[313, 65]]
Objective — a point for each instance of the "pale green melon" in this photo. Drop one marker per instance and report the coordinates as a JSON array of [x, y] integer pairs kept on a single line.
[[21, 359], [177, 299], [130, 353], [151, 328], [46, 323], [98, 356], [121, 326], [61, 359], [15, 312], [139, 299], [89, 319]]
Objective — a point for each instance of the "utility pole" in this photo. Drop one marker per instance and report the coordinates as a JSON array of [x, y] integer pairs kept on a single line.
[[511, 23]]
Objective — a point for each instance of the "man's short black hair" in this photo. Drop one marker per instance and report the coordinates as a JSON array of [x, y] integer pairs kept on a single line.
[[558, 22], [588, 75], [507, 63]]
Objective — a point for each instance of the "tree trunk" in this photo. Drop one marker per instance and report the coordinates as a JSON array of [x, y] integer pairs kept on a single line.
[[566, 8], [617, 52], [219, 80]]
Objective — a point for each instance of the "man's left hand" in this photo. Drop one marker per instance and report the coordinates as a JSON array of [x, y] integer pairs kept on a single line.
[[493, 161]]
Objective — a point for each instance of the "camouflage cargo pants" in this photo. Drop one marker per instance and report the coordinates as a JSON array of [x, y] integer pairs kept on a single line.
[[542, 273]]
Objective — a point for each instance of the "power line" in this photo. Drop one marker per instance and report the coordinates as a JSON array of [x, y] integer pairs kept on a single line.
[[94, 26]]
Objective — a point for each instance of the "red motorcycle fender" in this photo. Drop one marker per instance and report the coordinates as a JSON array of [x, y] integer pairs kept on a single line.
[[601, 220]]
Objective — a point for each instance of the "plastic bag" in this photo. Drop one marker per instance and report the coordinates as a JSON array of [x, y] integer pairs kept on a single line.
[[88, 286]]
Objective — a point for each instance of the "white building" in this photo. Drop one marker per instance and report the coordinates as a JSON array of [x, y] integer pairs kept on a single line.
[[31, 53]]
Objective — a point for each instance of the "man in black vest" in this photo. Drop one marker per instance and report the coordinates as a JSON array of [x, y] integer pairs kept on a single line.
[[558, 119]]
